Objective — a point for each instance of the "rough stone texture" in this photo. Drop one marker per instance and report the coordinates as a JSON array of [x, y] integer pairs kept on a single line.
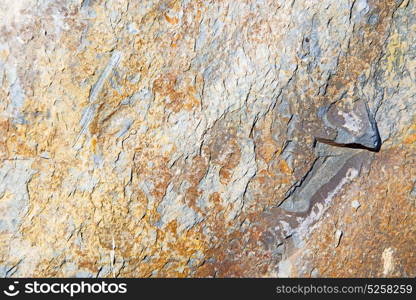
[[207, 138]]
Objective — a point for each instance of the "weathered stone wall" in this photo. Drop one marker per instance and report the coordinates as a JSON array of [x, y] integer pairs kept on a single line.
[[207, 138]]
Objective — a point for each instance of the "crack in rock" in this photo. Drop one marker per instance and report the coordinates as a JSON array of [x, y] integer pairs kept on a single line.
[[355, 127]]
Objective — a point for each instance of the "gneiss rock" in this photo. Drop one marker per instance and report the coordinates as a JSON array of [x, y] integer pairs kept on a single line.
[[158, 138]]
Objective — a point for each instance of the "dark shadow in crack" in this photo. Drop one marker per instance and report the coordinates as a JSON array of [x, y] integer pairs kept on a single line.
[[351, 146]]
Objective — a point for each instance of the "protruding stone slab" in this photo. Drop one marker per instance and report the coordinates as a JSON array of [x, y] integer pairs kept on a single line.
[[355, 126]]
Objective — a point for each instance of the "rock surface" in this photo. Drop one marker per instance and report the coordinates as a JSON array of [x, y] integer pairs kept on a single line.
[[207, 138]]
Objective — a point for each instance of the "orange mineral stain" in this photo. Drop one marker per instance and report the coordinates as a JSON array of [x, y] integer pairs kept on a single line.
[[172, 21]]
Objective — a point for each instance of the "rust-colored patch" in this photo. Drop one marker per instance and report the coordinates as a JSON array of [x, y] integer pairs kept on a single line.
[[166, 87], [231, 161], [410, 139], [94, 144], [284, 168], [172, 21]]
